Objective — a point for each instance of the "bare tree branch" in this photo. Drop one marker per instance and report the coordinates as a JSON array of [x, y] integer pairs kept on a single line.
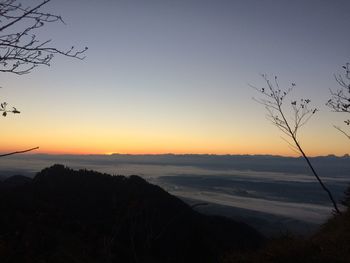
[[340, 99], [342, 131], [18, 152], [273, 98], [22, 51]]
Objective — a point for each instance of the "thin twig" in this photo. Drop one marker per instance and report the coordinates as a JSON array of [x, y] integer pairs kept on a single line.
[[343, 132]]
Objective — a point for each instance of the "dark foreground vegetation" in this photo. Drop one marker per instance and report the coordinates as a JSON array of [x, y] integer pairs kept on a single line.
[[64, 215], [331, 243]]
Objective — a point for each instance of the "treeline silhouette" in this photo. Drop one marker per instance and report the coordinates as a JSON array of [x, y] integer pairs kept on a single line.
[[64, 215]]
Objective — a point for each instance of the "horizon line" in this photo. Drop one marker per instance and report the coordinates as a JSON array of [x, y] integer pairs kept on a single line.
[[182, 154]]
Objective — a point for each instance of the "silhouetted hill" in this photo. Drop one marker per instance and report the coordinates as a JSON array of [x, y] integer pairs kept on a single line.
[[64, 215], [16, 180]]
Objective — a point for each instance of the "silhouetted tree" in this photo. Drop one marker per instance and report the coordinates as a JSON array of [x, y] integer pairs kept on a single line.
[[273, 99], [340, 99], [20, 48]]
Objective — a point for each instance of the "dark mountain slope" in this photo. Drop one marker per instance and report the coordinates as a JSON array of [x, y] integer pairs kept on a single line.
[[64, 215], [16, 180]]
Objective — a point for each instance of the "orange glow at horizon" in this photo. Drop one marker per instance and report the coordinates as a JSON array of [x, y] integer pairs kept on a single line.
[[99, 136], [84, 147]]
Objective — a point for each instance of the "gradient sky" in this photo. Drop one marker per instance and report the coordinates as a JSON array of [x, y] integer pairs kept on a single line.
[[172, 76]]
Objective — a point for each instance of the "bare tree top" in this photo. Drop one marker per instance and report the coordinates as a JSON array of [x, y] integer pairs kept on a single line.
[[20, 48], [274, 98], [340, 98]]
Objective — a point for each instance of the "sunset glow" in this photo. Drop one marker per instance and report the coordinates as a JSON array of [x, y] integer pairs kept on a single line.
[[174, 78]]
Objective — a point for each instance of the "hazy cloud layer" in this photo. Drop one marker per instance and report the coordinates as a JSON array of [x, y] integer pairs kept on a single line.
[[270, 184]]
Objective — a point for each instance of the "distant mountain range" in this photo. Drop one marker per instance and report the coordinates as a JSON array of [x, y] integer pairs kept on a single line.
[[326, 165]]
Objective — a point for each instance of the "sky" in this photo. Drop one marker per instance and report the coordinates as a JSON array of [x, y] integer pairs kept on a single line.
[[165, 76]]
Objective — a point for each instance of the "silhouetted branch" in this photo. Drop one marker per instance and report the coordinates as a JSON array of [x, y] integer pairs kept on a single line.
[[273, 100], [4, 110], [20, 48], [342, 131], [21, 51], [340, 99], [18, 152]]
